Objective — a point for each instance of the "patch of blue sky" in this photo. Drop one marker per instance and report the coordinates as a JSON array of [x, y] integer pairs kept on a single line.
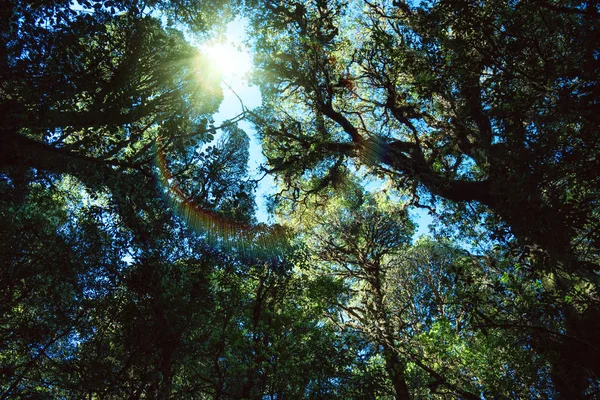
[[239, 95]]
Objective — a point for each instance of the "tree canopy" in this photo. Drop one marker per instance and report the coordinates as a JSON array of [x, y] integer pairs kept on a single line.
[[121, 201]]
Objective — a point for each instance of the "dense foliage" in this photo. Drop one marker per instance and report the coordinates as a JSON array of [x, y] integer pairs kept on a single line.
[[481, 112]]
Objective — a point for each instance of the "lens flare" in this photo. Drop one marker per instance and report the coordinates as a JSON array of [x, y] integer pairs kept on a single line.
[[259, 241]]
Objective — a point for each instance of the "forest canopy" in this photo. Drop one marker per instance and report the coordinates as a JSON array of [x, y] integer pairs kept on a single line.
[[132, 263]]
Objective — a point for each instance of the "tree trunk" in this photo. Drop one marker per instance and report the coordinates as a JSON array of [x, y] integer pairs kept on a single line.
[[393, 364], [395, 369]]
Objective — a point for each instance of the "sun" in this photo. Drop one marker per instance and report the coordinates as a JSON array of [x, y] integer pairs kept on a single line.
[[229, 59]]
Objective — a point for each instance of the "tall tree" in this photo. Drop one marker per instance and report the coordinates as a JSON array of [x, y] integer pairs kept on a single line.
[[438, 315], [358, 236], [487, 103]]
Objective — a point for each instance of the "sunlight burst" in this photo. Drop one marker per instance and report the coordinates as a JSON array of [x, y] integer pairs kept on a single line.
[[228, 58]]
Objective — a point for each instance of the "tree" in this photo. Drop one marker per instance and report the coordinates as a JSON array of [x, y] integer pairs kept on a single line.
[[358, 236], [488, 104], [445, 322]]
